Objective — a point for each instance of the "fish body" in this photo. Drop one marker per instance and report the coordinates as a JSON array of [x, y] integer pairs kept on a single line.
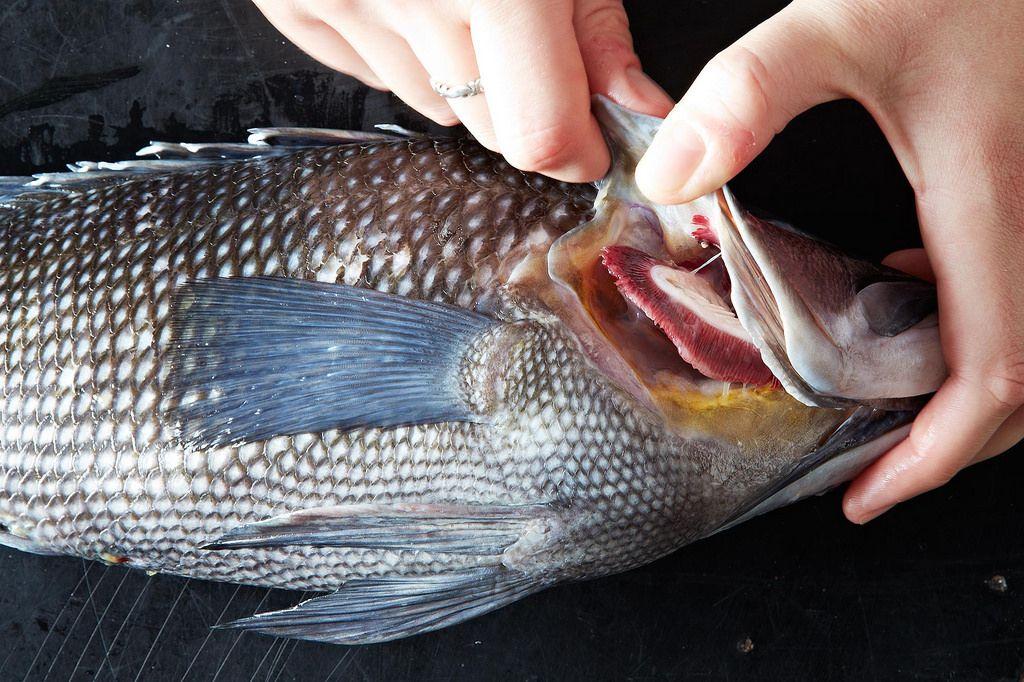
[[355, 365]]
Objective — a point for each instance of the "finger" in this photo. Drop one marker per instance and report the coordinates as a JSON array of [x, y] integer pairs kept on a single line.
[[1009, 434], [538, 96], [446, 50], [932, 454], [319, 41], [740, 100], [391, 58], [911, 261], [980, 309], [612, 66]]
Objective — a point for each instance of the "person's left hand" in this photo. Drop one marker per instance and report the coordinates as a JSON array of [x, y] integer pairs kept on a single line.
[[539, 62], [945, 81]]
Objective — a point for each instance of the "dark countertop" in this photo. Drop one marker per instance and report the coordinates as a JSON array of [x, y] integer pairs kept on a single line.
[[799, 594]]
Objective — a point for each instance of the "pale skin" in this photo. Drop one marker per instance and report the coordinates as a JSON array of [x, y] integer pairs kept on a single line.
[[944, 79]]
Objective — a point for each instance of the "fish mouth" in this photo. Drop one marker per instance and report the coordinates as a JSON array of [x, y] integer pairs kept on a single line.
[[710, 301], [692, 296], [762, 305], [720, 322]]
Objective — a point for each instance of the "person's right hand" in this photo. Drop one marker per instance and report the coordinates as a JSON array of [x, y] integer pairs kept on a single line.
[[539, 62]]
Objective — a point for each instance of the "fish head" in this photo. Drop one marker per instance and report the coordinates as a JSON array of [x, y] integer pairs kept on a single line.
[[744, 332], [833, 329]]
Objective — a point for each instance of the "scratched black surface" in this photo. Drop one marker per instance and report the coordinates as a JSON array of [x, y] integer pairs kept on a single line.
[[800, 594]]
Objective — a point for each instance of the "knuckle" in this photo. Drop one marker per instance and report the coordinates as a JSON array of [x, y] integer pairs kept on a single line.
[[605, 50], [938, 477], [339, 7], [920, 439], [888, 34], [740, 82], [933, 474], [1004, 382], [445, 118], [603, 30], [603, 17], [366, 79], [438, 112], [541, 150], [883, 25]]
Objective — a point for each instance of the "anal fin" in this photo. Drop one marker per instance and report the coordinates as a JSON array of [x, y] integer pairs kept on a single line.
[[365, 611], [502, 539]]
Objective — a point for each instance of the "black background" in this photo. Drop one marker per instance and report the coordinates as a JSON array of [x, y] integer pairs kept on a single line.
[[799, 594]]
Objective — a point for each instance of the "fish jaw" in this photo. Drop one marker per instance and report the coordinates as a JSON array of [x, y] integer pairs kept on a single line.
[[835, 330]]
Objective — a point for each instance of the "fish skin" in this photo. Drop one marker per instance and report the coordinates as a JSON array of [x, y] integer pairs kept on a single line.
[[90, 461], [89, 465]]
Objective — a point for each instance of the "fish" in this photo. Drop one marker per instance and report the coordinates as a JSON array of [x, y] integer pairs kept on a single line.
[[396, 370]]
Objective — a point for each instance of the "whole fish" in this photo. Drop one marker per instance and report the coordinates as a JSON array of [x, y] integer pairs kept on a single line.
[[400, 371]]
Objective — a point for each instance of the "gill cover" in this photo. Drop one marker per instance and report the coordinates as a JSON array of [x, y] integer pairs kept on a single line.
[[678, 354], [779, 307]]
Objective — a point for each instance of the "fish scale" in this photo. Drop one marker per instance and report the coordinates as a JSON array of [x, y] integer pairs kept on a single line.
[[396, 368], [90, 467]]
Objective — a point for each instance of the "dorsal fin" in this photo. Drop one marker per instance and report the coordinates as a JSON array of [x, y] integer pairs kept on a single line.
[[262, 142], [321, 137], [13, 187], [173, 157]]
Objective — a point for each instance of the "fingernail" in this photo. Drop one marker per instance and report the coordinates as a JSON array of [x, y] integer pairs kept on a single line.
[[649, 95], [665, 170], [873, 514]]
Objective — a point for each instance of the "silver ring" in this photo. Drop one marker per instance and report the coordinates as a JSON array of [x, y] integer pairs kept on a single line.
[[449, 91]]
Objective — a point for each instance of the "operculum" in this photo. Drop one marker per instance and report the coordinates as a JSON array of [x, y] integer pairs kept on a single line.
[[728, 397]]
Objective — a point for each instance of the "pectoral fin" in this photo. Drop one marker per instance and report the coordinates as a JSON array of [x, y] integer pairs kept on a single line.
[[257, 357]]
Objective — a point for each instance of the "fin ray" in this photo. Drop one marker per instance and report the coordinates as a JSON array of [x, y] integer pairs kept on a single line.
[[481, 530], [256, 357], [172, 157], [365, 611]]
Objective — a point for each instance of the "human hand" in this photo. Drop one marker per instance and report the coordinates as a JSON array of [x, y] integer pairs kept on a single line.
[[944, 79], [539, 62]]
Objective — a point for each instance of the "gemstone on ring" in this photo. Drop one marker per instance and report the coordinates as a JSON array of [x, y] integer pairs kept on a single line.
[[449, 91]]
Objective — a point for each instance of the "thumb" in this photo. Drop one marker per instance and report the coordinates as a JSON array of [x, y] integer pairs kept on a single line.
[[740, 100], [613, 68]]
